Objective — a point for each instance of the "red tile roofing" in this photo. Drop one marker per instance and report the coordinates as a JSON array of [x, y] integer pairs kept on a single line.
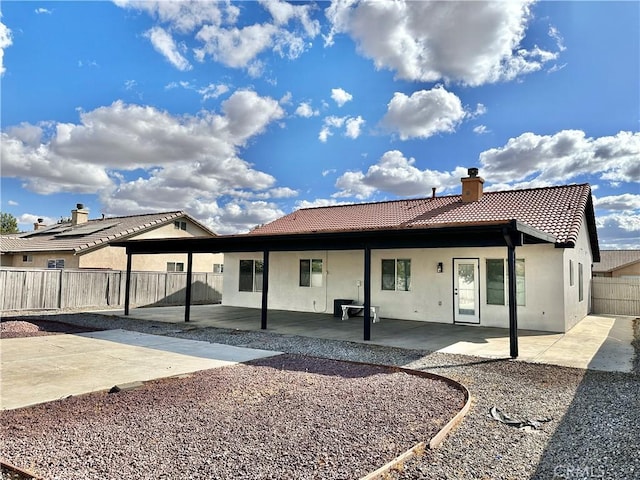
[[557, 211]]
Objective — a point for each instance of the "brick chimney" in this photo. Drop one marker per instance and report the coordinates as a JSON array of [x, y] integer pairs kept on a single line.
[[79, 215], [38, 225], [472, 186]]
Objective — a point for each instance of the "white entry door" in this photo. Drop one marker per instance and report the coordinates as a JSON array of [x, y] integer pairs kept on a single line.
[[466, 290]]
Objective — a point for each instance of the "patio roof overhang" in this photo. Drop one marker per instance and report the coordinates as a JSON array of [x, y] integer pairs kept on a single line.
[[484, 234], [501, 233]]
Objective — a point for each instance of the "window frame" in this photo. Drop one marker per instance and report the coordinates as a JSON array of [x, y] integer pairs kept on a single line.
[[218, 268], [580, 282], [174, 267], [27, 258], [401, 276], [572, 279], [257, 270], [308, 274], [521, 289], [180, 225], [58, 263]]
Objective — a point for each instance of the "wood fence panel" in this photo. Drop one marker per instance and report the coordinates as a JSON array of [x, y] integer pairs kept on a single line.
[[49, 289], [615, 296]]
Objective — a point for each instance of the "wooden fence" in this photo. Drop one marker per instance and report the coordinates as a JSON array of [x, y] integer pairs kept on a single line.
[[615, 296], [27, 289]]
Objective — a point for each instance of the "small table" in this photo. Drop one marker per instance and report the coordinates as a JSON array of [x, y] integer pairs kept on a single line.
[[373, 309]]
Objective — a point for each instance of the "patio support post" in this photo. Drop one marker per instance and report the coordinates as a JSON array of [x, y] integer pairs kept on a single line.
[[265, 290], [367, 293], [513, 300], [127, 284], [187, 300]]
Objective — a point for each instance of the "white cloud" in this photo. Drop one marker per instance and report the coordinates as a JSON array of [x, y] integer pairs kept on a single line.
[[424, 113], [320, 202], [537, 160], [185, 160], [130, 84], [163, 42], [396, 174], [340, 96], [41, 11], [619, 230], [305, 110], [624, 202], [214, 26], [13, 203], [213, 91], [480, 129], [473, 43], [235, 47], [5, 42], [353, 126]]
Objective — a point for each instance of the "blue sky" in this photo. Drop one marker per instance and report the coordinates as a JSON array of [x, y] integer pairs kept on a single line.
[[241, 112]]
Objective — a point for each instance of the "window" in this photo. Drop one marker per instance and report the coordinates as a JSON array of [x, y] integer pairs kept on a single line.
[[571, 279], [28, 259], [497, 282], [580, 283], [311, 272], [218, 268], [396, 274], [180, 225], [175, 267], [57, 263], [251, 275]]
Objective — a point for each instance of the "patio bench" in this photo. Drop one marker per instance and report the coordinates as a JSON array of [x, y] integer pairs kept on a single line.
[[374, 311]]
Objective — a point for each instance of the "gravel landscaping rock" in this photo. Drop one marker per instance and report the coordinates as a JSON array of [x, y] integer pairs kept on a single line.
[[593, 432]]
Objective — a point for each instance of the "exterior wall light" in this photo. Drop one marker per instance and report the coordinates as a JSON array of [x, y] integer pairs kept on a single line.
[[439, 268]]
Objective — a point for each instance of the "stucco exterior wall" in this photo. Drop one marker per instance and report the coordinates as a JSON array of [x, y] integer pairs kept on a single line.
[[576, 310], [431, 296], [40, 259]]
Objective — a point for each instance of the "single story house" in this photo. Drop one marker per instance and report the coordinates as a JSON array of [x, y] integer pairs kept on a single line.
[[81, 243], [501, 259], [618, 264]]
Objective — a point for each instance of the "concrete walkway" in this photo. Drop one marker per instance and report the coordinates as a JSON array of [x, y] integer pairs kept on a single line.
[[597, 342], [41, 369]]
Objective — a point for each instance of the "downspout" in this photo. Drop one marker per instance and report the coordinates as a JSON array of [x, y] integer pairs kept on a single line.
[[513, 301]]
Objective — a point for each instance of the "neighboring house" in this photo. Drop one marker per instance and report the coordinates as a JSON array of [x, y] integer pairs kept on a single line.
[[437, 259], [87, 244], [618, 263]]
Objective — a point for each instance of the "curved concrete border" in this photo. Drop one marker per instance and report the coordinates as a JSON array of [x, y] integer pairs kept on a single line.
[[439, 437]]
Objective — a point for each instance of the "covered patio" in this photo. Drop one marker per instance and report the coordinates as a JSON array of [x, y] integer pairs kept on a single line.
[[597, 342]]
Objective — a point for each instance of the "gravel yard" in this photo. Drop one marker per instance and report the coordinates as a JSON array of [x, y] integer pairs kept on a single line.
[[593, 432]]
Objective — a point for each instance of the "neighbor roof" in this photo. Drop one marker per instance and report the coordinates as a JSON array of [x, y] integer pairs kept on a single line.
[[557, 211], [89, 235], [614, 259]]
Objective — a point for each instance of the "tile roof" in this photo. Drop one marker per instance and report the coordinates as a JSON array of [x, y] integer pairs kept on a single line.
[[613, 259], [557, 211], [89, 235]]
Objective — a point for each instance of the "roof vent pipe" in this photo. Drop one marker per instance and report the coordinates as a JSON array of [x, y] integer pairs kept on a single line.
[[80, 206], [433, 192]]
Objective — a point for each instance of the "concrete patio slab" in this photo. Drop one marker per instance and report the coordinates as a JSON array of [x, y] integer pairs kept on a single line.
[[598, 342], [41, 369]]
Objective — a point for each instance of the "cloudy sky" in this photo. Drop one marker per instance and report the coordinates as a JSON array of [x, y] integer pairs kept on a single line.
[[239, 113]]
